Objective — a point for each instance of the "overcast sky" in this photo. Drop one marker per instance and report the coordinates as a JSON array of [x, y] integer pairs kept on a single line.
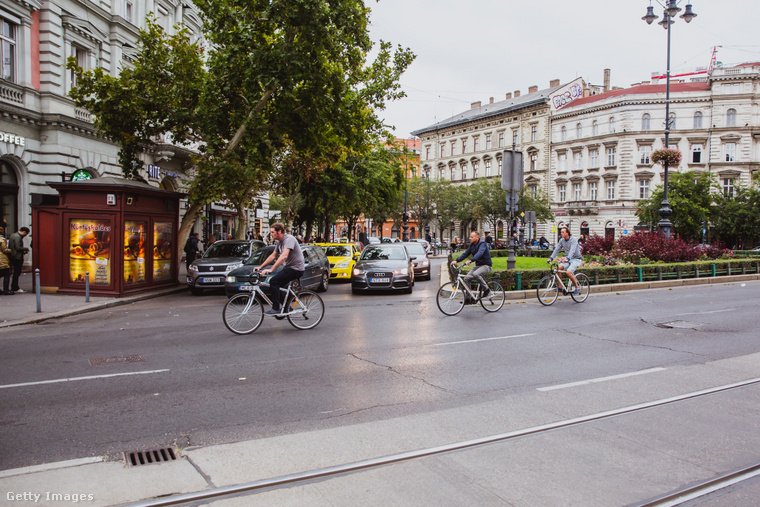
[[470, 50]]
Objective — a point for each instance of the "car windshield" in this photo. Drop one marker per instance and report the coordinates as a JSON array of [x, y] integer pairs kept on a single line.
[[221, 249], [337, 251], [383, 254], [415, 249], [260, 256]]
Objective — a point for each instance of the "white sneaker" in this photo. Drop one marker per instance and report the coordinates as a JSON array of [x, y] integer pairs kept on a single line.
[[20, 290]]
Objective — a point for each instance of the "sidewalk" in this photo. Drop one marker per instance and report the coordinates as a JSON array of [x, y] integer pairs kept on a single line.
[[21, 308]]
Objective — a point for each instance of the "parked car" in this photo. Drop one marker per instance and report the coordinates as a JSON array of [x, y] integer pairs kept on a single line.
[[210, 270], [420, 260], [342, 257], [383, 267], [316, 275]]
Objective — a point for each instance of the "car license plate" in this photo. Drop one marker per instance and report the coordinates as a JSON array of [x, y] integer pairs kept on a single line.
[[379, 280], [211, 280], [248, 288]]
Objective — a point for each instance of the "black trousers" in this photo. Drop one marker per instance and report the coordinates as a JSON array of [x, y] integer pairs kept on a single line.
[[16, 265], [6, 275], [279, 280]]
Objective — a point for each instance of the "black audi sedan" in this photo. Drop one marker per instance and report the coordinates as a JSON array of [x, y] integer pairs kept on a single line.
[[316, 275], [387, 266]]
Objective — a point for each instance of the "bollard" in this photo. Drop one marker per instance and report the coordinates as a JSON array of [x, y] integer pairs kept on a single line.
[[640, 274], [86, 286], [37, 289], [518, 281]]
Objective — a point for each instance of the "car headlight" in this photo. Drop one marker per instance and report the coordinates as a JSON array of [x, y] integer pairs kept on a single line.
[[231, 279], [193, 267], [425, 263], [233, 266], [343, 264], [358, 271], [404, 271]]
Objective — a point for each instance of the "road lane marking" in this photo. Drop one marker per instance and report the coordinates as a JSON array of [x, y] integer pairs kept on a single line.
[[485, 339], [601, 379], [707, 313], [73, 379]]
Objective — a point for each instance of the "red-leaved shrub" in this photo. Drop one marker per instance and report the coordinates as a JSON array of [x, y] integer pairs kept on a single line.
[[598, 245], [654, 247]]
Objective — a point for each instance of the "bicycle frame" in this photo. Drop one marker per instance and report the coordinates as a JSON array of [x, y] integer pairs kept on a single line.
[[288, 292], [461, 284], [556, 273]]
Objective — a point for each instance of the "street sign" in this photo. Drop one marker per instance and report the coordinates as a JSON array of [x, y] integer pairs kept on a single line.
[[513, 198], [554, 229], [512, 171]]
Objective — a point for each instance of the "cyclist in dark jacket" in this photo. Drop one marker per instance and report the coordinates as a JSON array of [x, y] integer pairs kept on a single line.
[[481, 256]]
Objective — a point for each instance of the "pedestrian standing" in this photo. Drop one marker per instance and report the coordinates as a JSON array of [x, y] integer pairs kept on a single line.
[[5, 263], [191, 249], [16, 244], [489, 240]]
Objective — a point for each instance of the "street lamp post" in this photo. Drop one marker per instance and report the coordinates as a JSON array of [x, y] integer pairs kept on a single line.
[[405, 235], [670, 11]]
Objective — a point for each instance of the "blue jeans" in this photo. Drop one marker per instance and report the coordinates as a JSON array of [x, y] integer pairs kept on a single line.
[[279, 280]]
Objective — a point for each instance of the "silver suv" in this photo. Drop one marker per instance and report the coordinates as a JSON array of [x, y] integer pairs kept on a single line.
[[210, 271]]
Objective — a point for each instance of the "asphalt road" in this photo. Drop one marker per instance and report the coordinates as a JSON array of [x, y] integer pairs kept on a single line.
[[166, 371]]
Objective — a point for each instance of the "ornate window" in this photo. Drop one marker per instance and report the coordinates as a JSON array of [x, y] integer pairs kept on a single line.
[[731, 118], [8, 54], [645, 121], [698, 120]]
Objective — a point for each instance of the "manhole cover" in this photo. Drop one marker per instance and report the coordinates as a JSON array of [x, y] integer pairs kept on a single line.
[[105, 361], [679, 324]]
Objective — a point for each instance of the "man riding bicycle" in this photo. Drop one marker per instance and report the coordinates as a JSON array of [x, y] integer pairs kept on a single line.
[[482, 258], [289, 252], [572, 259]]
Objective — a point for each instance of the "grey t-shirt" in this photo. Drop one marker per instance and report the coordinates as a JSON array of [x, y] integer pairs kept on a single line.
[[295, 257]]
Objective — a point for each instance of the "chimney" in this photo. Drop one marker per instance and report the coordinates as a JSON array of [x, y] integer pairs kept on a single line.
[[606, 80], [553, 83], [475, 105], [533, 89], [517, 93], [490, 101], [509, 96]]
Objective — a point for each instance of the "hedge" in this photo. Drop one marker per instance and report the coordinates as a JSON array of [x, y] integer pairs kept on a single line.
[[529, 278]]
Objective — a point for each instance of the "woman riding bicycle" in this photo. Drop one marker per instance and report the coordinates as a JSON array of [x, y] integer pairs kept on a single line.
[[482, 258], [572, 259]]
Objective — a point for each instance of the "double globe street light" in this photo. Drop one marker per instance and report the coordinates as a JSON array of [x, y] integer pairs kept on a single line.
[[671, 10]]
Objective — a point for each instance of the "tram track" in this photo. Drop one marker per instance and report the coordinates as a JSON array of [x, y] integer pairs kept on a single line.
[[674, 498]]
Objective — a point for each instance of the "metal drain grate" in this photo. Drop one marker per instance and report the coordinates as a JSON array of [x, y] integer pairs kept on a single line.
[[151, 457]]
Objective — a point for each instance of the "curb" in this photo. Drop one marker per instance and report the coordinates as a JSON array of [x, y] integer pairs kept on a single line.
[[94, 307]]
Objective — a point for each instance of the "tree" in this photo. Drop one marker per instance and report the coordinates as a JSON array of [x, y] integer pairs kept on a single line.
[[690, 198], [286, 75], [735, 220]]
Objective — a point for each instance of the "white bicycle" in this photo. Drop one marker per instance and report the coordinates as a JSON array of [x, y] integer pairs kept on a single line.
[[244, 312]]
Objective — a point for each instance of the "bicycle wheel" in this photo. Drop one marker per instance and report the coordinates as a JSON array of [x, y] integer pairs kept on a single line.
[[495, 300], [241, 319], [450, 298], [585, 288], [308, 313], [547, 291]]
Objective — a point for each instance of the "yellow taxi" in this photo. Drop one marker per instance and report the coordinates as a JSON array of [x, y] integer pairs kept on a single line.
[[342, 257]]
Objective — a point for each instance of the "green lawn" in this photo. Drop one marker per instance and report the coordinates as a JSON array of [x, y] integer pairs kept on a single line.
[[500, 263]]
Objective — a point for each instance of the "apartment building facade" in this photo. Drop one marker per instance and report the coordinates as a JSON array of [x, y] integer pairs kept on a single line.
[[470, 145], [601, 145], [43, 135]]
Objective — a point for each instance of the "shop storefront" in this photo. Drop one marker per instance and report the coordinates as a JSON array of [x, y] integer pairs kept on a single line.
[[120, 234]]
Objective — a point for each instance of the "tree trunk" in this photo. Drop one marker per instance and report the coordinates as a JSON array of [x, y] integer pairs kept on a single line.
[[184, 229], [242, 222]]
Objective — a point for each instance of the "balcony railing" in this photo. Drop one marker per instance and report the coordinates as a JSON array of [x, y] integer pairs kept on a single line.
[[582, 208], [11, 93]]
